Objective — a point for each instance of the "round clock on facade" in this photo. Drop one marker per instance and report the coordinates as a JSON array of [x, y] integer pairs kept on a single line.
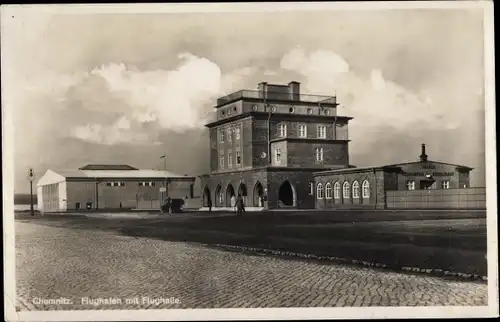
[[263, 155], [327, 112], [273, 108], [255, 107], [309, 111], [291, 109]]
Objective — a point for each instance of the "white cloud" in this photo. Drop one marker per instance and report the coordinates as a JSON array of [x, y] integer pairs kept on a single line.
[[378, 81], [176, 100]]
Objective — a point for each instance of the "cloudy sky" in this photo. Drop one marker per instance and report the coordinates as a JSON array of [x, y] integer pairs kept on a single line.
[[124, 88]]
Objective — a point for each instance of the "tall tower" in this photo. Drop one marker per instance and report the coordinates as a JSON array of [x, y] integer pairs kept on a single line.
[[275, 136]]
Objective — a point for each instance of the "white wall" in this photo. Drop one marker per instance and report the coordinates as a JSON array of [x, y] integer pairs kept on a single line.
[[63, 196], [39, 198]]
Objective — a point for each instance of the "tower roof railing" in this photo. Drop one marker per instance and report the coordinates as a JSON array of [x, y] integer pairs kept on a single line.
[[282, 96]]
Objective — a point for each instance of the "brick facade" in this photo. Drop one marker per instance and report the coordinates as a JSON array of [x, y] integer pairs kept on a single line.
[[285, 123], [397, 177], [349, 198]]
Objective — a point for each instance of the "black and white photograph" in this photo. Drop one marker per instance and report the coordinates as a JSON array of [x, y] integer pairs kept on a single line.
[[212, 161]]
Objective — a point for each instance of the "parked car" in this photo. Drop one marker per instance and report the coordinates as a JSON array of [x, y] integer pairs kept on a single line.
[[177, 204]]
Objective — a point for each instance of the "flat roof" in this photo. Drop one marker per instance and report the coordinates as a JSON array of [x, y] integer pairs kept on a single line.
[[117, 174]]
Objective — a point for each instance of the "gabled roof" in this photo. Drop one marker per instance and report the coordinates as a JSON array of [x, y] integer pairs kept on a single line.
[[55, 176], [107, 167]]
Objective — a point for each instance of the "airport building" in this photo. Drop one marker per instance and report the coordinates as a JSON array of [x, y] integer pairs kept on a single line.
[[267, 144], [107, 187], [279, 148], [390, 186]]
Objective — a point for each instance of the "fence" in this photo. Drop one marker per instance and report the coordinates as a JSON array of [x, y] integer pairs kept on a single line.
[[466, 198], [277, 96]]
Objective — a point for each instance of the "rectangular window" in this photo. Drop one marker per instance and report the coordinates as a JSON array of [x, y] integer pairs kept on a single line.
[[109, 184], [311, 188], [237, 133], [238, 158], [221, 162], [321, 131], [277, 155], [410, 185], [282, 130], [302, 131], [445, 184], [319, 154], [229, 135], [229, 159], [221, 136]]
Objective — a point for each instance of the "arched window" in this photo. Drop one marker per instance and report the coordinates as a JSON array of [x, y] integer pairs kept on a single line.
[[366, 189], [319, 191], [328, 191], [346, 190], [336, 190], [355, 189]]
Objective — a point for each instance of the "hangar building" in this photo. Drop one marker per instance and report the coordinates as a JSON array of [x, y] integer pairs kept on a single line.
[[99, 187]]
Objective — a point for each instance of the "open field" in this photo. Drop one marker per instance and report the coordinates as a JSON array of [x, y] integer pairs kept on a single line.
[[403, 239]]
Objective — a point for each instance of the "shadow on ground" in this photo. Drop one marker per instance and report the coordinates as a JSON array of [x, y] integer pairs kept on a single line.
[[447, 241]]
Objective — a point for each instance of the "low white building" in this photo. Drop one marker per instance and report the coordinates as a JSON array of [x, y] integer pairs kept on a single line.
[[100, 187]]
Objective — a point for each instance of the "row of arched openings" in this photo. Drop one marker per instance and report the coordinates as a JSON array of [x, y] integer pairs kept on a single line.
[[348, 190], [226, 197]]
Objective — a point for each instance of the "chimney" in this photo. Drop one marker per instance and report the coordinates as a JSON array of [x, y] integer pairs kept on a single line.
[[423, 156], [294, 90], [262, 88]]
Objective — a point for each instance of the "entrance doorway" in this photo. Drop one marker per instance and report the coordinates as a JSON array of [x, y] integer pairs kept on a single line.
[[218, 196], [206, 196], [242, 191], [427, 184], [286, 195], [258, 194], [230, 196]]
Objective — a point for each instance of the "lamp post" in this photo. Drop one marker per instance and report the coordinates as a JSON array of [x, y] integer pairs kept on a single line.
[[31, 177], [164, 157]]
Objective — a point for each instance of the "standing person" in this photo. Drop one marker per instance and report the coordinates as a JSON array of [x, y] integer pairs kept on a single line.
[[209, 204], [169, 205], [239, 202]]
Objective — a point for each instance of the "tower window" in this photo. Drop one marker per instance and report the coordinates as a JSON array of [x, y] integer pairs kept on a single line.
[[229, 159], [282, 130], [237, 133], [277, 156], [410, 185], [319, 154], [229, 135], [302, 130], [238, 158], [221, 162], [321, 131], [221, 136]]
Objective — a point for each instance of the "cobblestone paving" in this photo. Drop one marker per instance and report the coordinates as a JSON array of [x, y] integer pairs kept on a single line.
[[55, 262]]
